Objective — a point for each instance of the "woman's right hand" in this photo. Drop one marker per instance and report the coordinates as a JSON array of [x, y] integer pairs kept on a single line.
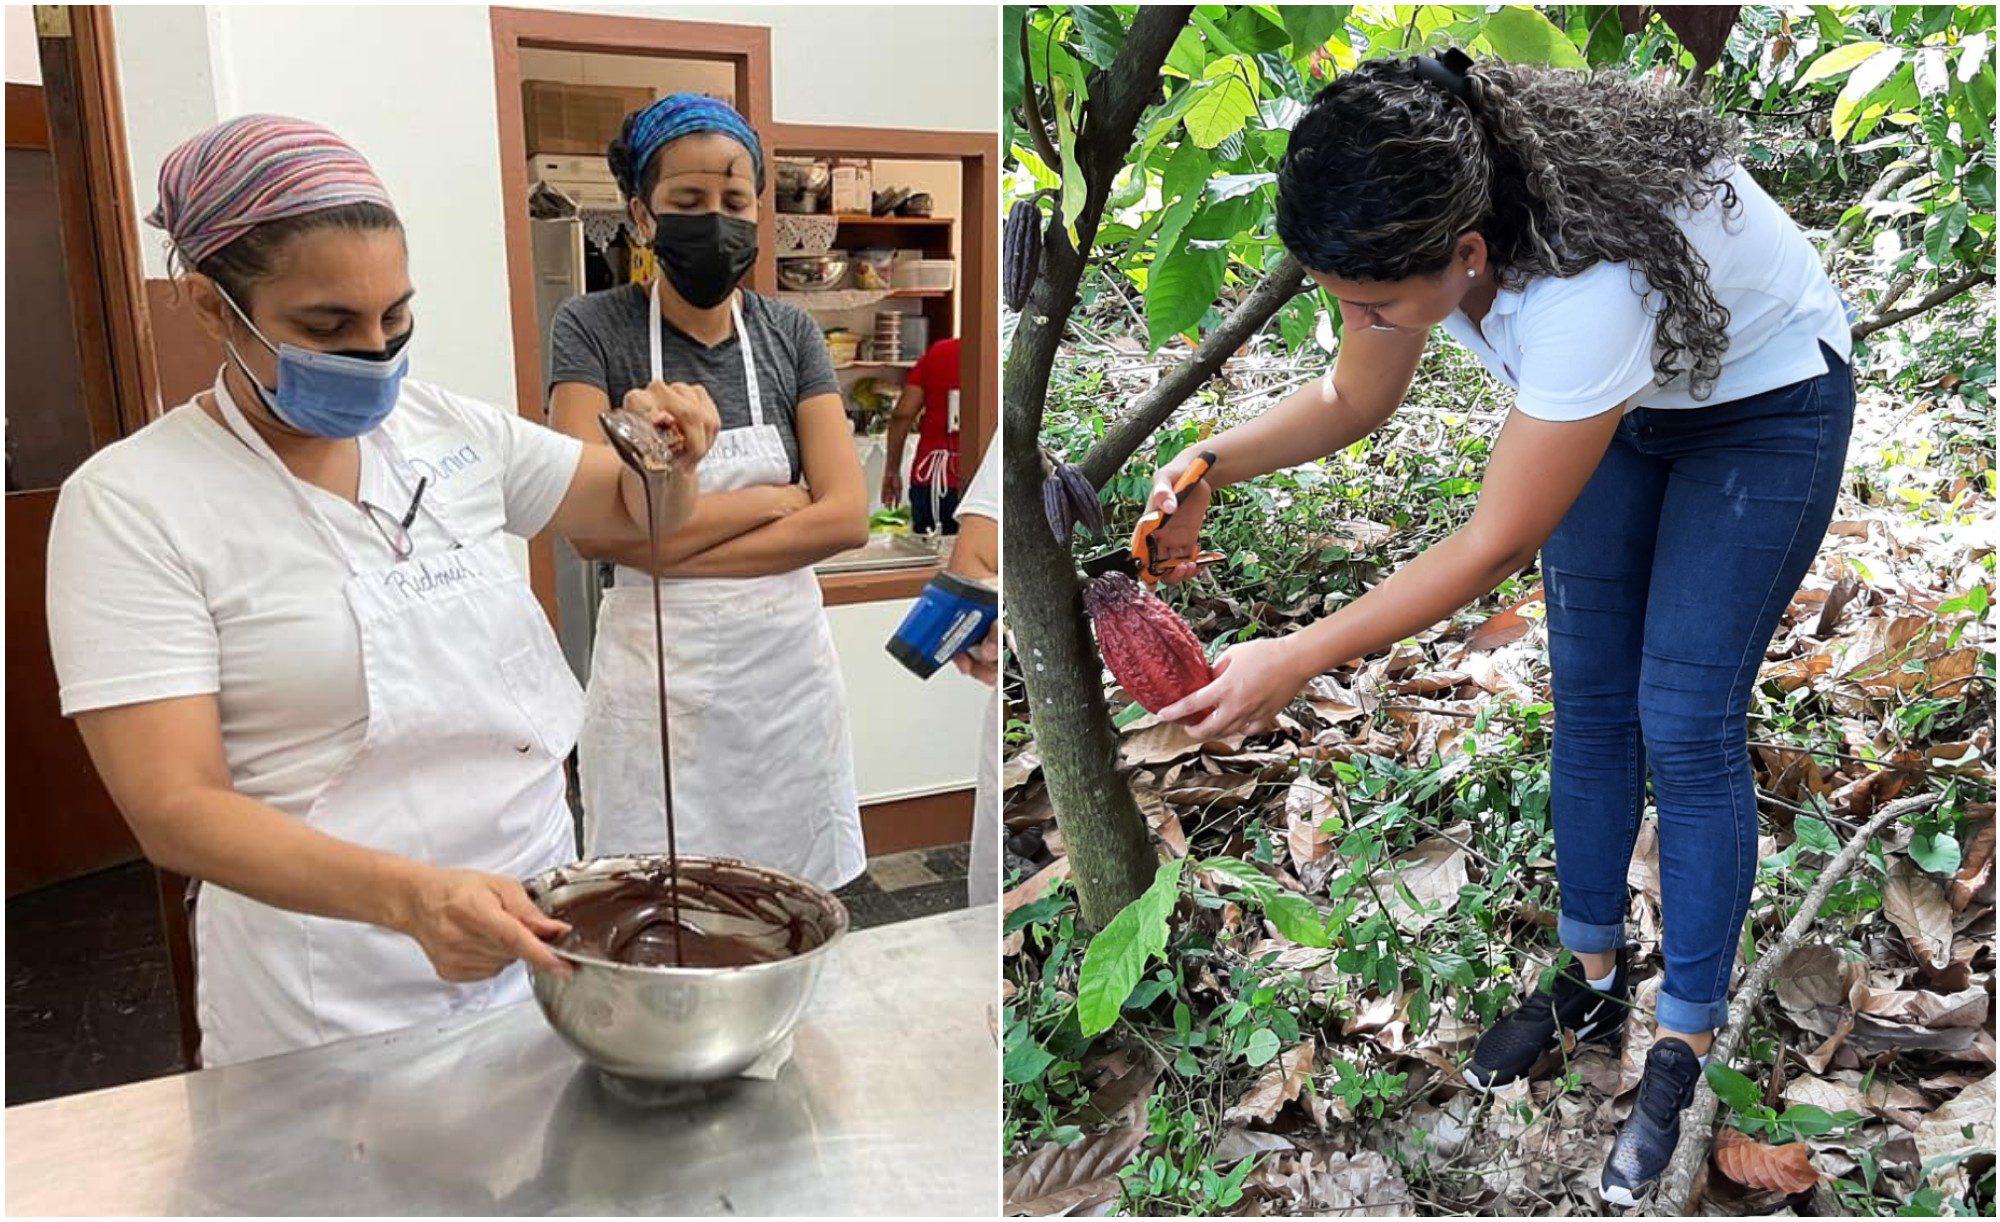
[[1179, 537], [472, 925]]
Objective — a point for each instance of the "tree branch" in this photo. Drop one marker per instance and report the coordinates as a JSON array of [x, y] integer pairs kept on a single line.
[[1844, 233], [1698, 1122], [1150, 410], [1929, 301]]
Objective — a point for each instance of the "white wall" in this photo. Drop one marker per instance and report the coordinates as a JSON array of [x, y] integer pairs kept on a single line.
[[874, 65], [24, 60]]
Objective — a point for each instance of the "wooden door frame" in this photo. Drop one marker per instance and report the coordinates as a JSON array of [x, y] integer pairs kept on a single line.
[[86, 119], [746, 48]]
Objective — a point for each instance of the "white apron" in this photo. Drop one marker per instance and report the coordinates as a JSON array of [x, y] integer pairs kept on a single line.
[[762, 765], [471, 712]]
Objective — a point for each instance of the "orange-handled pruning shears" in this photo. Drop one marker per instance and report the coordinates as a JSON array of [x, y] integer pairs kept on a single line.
[[1138, 560]]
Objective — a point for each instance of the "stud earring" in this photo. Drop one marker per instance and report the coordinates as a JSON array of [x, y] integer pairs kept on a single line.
[[1472, 273]]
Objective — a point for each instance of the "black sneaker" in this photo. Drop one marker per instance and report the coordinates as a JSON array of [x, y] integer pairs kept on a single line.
[[1511, 1046], [1645, 1142]]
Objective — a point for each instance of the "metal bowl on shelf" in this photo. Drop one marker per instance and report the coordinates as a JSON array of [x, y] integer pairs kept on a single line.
[[677, 1026], [810, 273]]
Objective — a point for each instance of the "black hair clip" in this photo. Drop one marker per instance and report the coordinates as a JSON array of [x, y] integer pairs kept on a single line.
[[1447, 71]]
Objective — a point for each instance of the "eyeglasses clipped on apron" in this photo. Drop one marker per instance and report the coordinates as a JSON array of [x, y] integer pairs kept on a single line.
[[399, 541]]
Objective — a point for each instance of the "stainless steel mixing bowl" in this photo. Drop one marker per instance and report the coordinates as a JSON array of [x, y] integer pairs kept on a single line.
[[679, 1025]]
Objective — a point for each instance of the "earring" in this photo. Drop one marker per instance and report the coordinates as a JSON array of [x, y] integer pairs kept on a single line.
[[1472, 273]]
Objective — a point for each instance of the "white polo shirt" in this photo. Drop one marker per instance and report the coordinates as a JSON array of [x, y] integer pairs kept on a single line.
[[1575, 347], [180, 564]]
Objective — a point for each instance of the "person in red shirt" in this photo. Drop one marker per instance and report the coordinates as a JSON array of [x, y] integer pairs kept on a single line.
[[930, 397]]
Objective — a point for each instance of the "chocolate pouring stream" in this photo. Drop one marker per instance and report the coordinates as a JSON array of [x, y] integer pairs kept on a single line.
[[644, 920]]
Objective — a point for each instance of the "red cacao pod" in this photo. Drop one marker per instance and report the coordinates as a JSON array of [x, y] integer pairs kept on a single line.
[[1151, 651]]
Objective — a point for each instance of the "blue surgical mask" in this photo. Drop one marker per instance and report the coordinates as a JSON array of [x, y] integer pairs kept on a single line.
[[329, 394]]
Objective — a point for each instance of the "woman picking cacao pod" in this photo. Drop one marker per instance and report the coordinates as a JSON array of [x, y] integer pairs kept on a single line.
[[762, 767], [285, 618], [1683, 404]]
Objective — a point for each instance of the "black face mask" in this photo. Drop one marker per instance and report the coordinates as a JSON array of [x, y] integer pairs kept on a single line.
[[704, 254]]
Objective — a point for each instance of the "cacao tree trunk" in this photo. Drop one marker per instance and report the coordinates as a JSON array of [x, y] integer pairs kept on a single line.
[[1111, 858]]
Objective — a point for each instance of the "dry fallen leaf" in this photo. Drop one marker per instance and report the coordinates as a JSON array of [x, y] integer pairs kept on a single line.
[[1787, 1169], [1158, 743], [1915, 902], [1035, 887], [1965, 1123], [1433, 872], [1307, 805], [1506, 626], [1280, 1083], [1056, 1179]]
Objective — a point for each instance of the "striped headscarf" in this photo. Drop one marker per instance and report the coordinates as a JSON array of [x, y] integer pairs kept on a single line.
[[677, 115], [250, 170]]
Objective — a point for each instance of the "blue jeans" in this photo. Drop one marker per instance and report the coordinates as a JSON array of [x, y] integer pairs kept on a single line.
[[1664, 584]]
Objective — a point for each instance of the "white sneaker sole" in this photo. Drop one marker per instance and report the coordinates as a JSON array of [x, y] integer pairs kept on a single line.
[[1619, 1195]]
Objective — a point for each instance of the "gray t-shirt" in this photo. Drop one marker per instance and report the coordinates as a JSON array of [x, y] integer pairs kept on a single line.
[[601, 339]]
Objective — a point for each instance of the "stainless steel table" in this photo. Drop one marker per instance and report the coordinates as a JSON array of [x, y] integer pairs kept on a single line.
[[890, 1105]]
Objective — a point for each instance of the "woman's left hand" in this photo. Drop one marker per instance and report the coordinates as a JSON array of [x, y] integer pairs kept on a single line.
[[1253, 683]]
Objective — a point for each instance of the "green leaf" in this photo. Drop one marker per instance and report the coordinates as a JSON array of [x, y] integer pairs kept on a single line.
[[1102, 29], [1252, 32], [1180, 183], [1026, 1059], [1936, 850], [1859, 93], [1228, 100], [1520, 35], [1815, 835], [1452, 969], [1810, 1121], [1944, 232], [1310, 25], [1118, 955], [1977, 183], [1034, 912], [1739, 1092], [1127, 189], [1073, 188], [1262, 1047], [1189, 54], [1181, 289], [1838, 60], [1297, 919], [1219, 222], [1132, 712]]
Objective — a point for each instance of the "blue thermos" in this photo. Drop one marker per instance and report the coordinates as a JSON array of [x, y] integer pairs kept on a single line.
[[951, 616]]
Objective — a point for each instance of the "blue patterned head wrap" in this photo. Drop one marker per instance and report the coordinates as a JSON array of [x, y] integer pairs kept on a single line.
[[667, 120]]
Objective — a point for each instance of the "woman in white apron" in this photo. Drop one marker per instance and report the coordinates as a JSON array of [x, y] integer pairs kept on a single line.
[[762, 767], [286, 620]]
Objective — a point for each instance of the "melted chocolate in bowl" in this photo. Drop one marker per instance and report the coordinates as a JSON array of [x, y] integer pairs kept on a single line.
[[695, 913]]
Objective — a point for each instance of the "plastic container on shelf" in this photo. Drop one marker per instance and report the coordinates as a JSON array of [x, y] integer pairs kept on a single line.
[[872, 269], [842, 346], [928, 275], [916, 338]]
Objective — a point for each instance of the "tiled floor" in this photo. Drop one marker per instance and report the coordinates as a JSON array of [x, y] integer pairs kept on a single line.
[[90, 1002]]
